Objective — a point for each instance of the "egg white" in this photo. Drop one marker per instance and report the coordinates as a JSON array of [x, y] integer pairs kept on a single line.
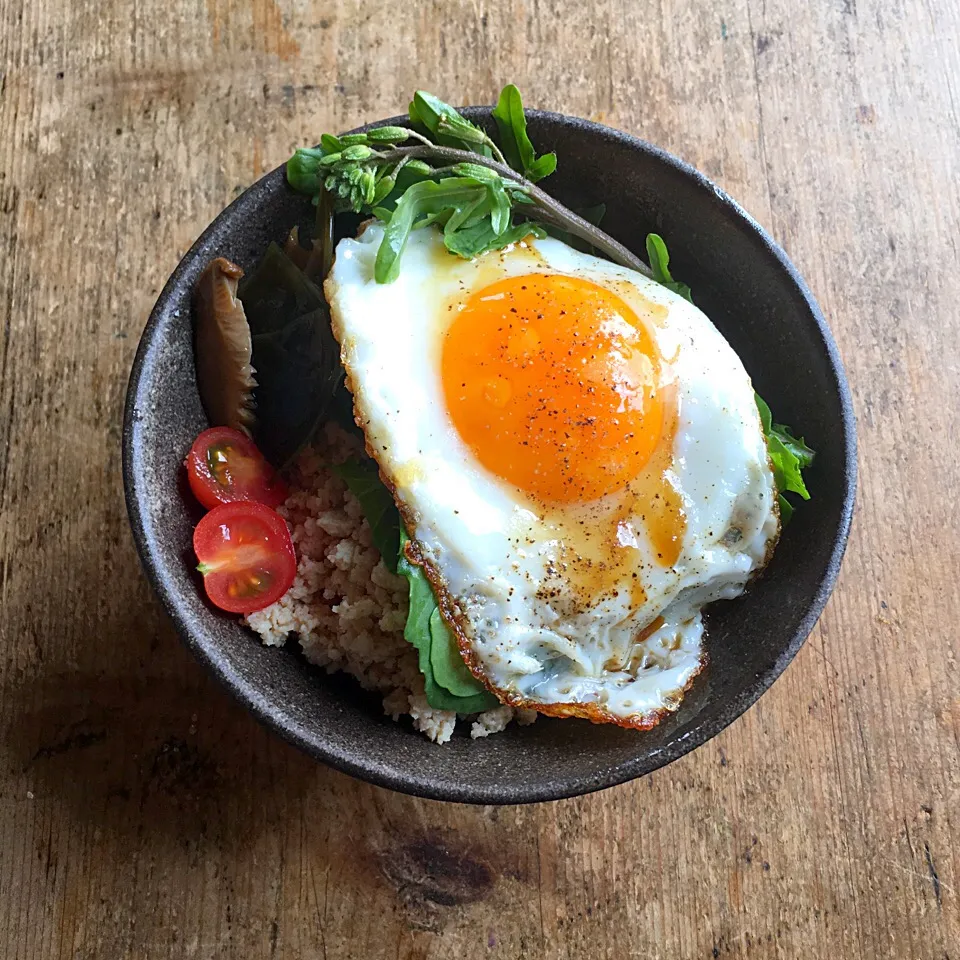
[[491, 551]]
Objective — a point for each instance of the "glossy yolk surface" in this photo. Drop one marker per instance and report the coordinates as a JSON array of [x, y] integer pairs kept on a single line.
[[552, 381]]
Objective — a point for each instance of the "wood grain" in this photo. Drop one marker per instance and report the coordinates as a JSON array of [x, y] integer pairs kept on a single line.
[[143, 814]]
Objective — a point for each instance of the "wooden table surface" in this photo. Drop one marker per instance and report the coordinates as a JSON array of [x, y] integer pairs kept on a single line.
[[143, 814]]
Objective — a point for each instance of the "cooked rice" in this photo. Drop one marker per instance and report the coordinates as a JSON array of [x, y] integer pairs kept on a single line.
[[346, 608]]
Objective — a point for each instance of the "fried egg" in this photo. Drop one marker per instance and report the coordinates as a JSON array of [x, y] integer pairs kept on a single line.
[[577, 456]]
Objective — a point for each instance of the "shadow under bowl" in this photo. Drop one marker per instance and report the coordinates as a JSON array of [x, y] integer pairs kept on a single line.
[[741, 279]]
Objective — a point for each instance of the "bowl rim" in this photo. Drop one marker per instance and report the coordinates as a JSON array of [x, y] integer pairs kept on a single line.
[[289, 728]]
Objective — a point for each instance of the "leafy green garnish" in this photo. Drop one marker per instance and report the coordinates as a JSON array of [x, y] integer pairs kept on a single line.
[[449, 670], [448, 683], [517, 148], [660, 265], [476, 239], [474, 213], [295, 354], [447, 171], [789, 456], [363, 480]]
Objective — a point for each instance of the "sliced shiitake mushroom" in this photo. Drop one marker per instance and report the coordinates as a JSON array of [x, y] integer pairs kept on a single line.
[[225, 376]]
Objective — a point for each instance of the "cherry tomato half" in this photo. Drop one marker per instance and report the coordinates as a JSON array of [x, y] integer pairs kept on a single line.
[[224, 466], [246, 556]]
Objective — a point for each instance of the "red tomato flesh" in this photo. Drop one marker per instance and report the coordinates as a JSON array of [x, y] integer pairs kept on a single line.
[[225, 466], [246, 556]]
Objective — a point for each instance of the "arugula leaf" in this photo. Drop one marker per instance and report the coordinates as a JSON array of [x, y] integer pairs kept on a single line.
[[362, 477], [659, 263], [499, 207], [454, 194], [475, 214], [804, 455], [471, 212], [426, 630], [478, 239], [786, 467], [789, 455], [516, 145]]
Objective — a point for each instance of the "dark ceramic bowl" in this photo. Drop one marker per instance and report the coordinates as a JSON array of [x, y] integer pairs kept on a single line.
[[751, 291]]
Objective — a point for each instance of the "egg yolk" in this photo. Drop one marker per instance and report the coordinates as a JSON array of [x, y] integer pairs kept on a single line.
[[552, 381]]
